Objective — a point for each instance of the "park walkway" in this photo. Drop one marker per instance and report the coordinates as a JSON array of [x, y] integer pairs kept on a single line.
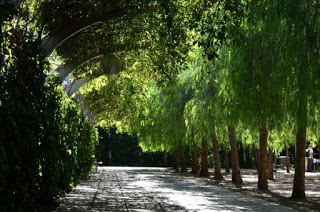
[[156, 189]]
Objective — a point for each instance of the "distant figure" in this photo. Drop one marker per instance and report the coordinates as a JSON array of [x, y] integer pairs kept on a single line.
[[109, 156], [310, 158], [316, 158]]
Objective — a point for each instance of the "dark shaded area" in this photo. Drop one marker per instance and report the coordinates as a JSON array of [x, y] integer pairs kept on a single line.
[[123, 150]]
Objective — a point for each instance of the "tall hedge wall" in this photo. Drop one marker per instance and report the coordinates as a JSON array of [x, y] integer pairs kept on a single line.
[[46, 144]]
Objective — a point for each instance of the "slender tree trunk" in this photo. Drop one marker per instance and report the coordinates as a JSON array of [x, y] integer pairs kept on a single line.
[[183, 161], [299, 175], [195, 162], [236, 175], [303, 76], [226, 159], [256, 156], [204, 159], [216, 158], [270, 164], [287, 159], [176, 160], [263, 173]]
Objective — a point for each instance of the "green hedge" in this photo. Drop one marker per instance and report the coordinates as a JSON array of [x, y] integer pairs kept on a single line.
[[46, 144], [123, 150]]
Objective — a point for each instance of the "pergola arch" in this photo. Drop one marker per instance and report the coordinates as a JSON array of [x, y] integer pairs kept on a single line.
[[79, 83], [70, 90], [64, 31], [66, 69]]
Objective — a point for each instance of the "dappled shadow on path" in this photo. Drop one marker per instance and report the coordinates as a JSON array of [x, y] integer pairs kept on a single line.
[[157, 189], [198, 194], [280, 189], [112, 190]]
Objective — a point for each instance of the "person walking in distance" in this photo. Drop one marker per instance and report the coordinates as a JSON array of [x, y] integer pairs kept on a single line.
[[310, 158]]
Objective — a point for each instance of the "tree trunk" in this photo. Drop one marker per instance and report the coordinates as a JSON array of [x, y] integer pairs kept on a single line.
[[226, 159], [287, 159], [256, 155], [263, 173], [303, 76], [216, 158], [176, 160], [183, 161], [299, 175], [195, 162], [236, 175], [270, 164], [204, 159]]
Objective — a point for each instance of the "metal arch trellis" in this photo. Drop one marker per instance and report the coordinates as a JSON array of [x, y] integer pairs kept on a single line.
[[63, 32]]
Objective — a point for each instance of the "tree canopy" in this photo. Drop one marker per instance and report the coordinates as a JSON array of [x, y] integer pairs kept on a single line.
[[173, 72]]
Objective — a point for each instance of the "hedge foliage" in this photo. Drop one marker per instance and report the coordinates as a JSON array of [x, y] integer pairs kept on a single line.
[[46, 143], [122, 149]]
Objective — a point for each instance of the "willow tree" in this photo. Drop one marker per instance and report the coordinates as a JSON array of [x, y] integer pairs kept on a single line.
[[199, 111], [162, 125], [298, 43], [274, 71], [254, 84], [302, 57], [219, 22], [226, 103]]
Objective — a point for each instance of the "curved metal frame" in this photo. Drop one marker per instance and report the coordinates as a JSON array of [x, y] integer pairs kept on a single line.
[[66, 69], [78, 84], [64, 32]]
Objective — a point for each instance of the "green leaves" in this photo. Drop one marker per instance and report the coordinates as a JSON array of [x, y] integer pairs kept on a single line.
[[46, 142]]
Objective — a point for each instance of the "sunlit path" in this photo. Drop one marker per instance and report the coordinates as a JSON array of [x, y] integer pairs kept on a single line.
[[156, 189]]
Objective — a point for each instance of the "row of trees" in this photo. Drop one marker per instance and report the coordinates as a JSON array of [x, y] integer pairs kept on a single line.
[[192, 72], [46, 144], [264, 80], [251, 74]]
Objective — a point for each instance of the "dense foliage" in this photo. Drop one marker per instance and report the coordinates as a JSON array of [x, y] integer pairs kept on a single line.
[[116, 149], [248, 66], [186, 73], [47, 145], [260, 74]]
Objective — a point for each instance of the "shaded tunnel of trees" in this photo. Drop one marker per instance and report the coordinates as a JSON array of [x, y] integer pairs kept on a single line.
[[190, 83]]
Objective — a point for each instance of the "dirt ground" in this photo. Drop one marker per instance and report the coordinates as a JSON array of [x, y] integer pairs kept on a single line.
[[280, 189]]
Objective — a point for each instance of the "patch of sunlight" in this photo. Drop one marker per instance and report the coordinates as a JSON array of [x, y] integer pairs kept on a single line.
[[86, 188]]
